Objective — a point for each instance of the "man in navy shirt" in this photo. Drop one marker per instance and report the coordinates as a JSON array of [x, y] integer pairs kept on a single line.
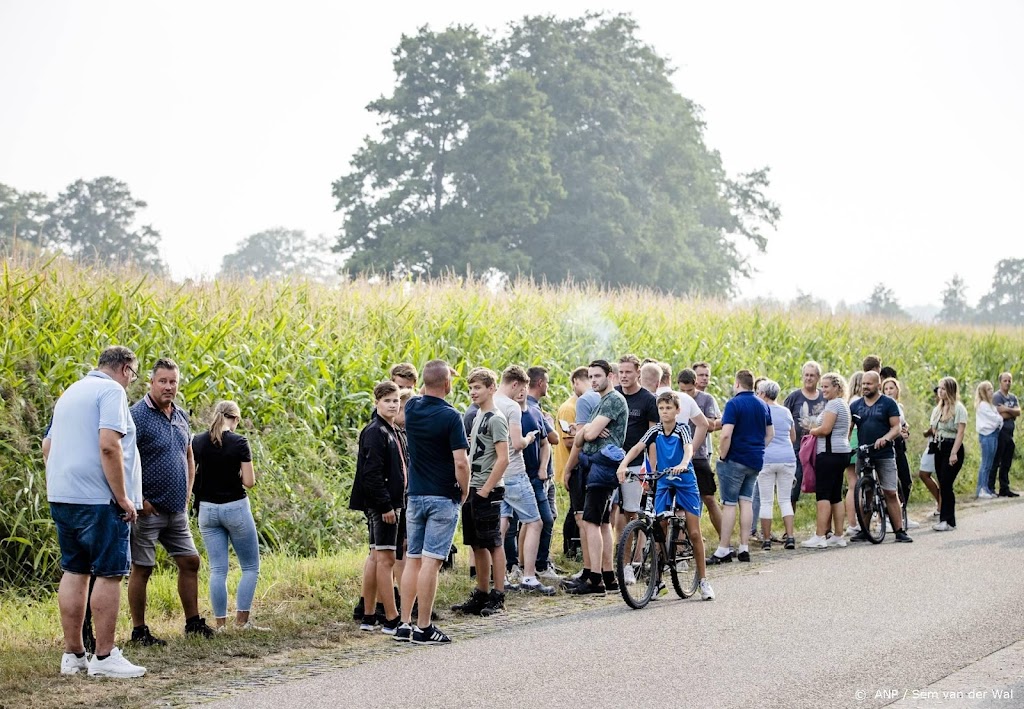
[[746, 430], [438, 486], [877, 418]]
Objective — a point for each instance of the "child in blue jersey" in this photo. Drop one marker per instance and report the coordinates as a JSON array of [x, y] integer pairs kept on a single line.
[[672, 453]]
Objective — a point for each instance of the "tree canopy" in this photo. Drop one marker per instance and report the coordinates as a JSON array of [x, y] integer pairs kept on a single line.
[[559, 150], [277, 253]]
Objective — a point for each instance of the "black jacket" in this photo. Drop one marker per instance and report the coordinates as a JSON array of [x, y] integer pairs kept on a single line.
[[380, 474]]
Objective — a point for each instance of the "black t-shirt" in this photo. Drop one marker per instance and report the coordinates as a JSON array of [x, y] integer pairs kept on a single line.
[[872, 422], [218, 468], [643, 409], [433, 429]]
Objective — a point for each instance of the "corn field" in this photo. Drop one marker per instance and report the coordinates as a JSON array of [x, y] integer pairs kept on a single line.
[[302, 358]]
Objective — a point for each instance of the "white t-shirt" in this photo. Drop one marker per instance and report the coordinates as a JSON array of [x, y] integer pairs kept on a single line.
[[514, 415], [688, 408]]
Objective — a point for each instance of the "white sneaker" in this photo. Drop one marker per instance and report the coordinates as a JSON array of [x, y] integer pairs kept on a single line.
[[814, 542], [249, 625], [549, 574], [911, 524], [936, 512], [70, 664], [114, 666], [835, 541], [851, 530], [706, 592], [941, 527], [985, 495], [514, 577], [628, 575]]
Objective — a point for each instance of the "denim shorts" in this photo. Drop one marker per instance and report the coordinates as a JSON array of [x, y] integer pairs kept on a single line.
[[171, 529], [520, 499], [430, 526], [736, 482], [93, 539]]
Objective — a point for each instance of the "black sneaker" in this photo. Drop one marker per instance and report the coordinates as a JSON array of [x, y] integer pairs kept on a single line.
[[380, 614], [141, 636], [902, 536], [390, 627], [474, 604], [368, 623], [587, 588], [790, 543], [495, 604], [766, 545], [744, 555], [860, 537], [359, 611], [403, 634], [714, 560], [197, 627], [430, 635]]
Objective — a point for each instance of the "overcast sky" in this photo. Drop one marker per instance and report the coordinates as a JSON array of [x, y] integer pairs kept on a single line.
[[893, 129]]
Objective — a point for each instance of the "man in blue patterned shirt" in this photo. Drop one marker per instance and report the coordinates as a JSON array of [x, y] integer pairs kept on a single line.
[[168, 470]]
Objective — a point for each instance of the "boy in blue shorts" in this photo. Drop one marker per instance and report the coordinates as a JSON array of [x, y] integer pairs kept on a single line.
[[672, 453]]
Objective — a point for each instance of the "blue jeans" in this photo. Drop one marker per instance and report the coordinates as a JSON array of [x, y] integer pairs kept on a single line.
[[219, 524], [547, 520], [988, 446], [430, 526], [736, 482]]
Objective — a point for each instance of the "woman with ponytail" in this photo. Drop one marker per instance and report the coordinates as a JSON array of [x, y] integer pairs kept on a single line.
[[223, 473]]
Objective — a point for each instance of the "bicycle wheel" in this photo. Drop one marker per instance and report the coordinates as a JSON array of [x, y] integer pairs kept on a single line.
[[870, 516], [681, 565], [637, 547]]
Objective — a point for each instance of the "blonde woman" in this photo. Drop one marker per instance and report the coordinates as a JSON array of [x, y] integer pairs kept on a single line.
[[853, 392], [223, 473], [987, 422], [948, 422], [833, 453]]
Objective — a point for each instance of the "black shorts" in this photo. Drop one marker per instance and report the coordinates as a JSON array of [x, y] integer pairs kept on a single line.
[[829, 470], [384, 536], [481, 519], [596, 506], [705, 477], [577, 490]]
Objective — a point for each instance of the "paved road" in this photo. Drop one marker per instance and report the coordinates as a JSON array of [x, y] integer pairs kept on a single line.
[[864, 626]]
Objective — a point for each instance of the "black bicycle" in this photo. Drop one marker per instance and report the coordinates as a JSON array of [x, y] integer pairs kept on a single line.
[[869, 498], [649, 550]]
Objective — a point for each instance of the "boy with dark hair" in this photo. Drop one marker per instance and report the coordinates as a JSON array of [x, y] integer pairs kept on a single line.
[[481, 513], [672, 453], [378, 490]]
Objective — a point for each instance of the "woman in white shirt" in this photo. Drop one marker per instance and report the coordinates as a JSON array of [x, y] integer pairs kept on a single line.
[[948, 420], [987, 421]]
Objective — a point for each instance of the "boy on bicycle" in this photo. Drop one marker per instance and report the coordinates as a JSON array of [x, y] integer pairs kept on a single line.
[[672, 453]]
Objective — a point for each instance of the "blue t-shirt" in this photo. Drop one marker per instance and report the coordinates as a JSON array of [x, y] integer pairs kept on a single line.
[[532, 421], [585, 406], [74, 472], [780, 450], [872, 422], [750, 419], [534, 406], [163, 447], [433, 429]]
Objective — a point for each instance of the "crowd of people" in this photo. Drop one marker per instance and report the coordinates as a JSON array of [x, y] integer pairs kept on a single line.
[[500, 461], [120, 478]]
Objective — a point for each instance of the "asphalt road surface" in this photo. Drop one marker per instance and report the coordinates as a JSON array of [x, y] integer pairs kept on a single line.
[[936, 623]]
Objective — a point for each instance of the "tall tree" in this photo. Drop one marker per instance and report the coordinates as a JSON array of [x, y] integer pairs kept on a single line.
[[883, 303], [955, 308], [278, 253], [1004, 303], [561, 151], [22, 215], [94, 221]]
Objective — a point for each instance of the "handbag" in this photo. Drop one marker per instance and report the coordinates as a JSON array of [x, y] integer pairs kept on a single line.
[[808, 457]]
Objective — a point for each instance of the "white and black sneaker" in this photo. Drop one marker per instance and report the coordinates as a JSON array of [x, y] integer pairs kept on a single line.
[[72, 664], [429, 636], [403, 633]]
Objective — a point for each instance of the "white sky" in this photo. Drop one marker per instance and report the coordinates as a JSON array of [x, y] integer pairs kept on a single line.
[[893, 130]]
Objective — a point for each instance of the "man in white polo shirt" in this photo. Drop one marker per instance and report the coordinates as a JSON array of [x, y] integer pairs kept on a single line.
[[94, 486]]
